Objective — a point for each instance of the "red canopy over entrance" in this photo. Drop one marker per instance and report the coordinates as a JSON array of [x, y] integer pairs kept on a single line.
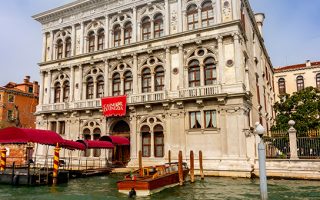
[[96, 144], [13, 135], [69, 144], [116, 140]]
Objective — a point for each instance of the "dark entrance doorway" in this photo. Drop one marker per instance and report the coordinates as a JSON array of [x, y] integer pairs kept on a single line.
[[121, 153]]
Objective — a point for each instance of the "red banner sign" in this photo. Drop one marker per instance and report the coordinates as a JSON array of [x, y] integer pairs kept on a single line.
[[114, 106]]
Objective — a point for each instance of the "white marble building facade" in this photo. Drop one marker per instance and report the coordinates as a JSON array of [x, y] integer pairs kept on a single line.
[[196, 74]]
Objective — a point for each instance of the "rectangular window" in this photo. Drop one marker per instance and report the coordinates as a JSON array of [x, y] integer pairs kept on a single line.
[[30, 89], [10, 115], [158, 144], [146, 144], [11, 98], [211, 119], [62, 128], [53, 126], [195, 119]]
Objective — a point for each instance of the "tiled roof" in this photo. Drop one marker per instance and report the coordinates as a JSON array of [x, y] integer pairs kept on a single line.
[[296, 67]]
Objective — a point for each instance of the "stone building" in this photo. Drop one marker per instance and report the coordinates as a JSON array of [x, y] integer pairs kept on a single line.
[[196, 74], [18, 103], [293, 78]]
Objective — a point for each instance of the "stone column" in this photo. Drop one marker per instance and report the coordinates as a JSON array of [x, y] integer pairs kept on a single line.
[[49, 87], [293, 141], [181, 64], [139, 37], [94, 89], [63, 49], [44, 47], [139, 83], [134, 24], [152, 28], [237, 57], [106, 78], [199, 18], [218, 12], [167, 18], [81, 38], [152, 81], [71, 84], [96, 42], [168, 70], [152, 144], [135, 84], [62, 93], [121, 85], [106, 37], [122, 36], [80, 81], [41, 88], [73, 40], [133, 137], [179, 16], [221, 60], [201, 74], [51, 46]]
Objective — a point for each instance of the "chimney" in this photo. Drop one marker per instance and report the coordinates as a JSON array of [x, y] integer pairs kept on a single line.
[[308, 63], [35, 88], [259, 19], [26, 79]]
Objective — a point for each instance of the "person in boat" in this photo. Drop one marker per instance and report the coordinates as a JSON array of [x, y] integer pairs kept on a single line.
[[132, 193]]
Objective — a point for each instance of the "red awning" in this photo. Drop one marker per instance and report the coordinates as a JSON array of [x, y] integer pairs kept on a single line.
[[96, 144], [72, 145], [116, 140], [13, 135]]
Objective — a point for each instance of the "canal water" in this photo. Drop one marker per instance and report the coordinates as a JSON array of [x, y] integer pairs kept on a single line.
[[104, 187]]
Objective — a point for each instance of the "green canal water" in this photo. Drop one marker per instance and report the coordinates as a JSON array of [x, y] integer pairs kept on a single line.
[[104, 187]]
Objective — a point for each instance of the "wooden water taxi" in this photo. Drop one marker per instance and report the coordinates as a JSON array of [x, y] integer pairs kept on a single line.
[[152, 179]]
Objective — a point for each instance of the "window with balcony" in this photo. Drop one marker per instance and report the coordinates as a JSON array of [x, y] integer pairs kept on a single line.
[[101, 39], [68, 47], [59, 49], [127, 82], [146, 80], [146, 28], [159, 78], [127, 33], [282, 86], [192, 17], [194, 73], [91, 41], [210, 72], [100, 86], [116, 36], [66, 91], [158, 141], [207, 14], [116, 82], [195, 120], [90, 88], [57, 92], [158, 26], [211, 119], [300, 83], [318, 80]]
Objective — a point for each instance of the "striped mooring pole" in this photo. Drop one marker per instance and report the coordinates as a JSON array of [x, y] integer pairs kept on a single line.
[[3, 159], [55, 165]]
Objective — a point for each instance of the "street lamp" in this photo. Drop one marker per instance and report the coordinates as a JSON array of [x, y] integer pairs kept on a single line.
[[262, 162]]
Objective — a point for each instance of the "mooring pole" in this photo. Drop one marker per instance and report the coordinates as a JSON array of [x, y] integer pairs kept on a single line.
[[169, 157], [55, 165], [200, 165], [191, 167], [140, 163], [180, 168], [3, 160]]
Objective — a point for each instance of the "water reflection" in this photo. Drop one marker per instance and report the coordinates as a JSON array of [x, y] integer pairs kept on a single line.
[[214, 188]]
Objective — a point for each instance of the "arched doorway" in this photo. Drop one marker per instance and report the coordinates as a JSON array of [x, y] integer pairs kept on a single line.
[[121, 153]]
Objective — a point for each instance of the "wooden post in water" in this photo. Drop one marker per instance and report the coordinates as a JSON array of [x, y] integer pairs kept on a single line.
[[191, 167], [180, 169], [140, 163], [200, 164], [55, 165], [169, 156]]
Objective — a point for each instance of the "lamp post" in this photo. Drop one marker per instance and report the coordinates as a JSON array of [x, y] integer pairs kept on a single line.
[[262, 162]]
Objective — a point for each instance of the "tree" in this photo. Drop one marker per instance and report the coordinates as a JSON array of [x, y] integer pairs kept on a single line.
[[303, 107]]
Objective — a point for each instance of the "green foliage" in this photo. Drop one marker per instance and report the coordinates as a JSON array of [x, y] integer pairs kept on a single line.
[[303, 107]]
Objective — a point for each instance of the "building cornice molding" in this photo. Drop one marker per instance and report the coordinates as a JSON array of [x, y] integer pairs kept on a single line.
[[278, 71]]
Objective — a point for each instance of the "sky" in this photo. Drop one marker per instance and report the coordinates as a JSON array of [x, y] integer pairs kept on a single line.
[[291, 33]]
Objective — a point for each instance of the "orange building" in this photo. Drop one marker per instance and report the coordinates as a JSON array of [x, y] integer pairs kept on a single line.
[[18, 103]]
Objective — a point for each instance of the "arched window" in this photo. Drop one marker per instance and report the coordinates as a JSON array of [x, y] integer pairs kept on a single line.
[[66, 91], [300, 83], [146, 141], [146, 80], [100, 86], [210, 72], [158, 141], [158, 26], [318, 80], [96, 136], [91, 39], [146, 28], [59, 49], [159, 79], [90, 88], [282, 86], [192, 17], [57, 92], [207, 14], [127, 33], [86, 136], [127, 82], [101, 39], [68, 47], [116, 84], [117, 35], [194, 73]]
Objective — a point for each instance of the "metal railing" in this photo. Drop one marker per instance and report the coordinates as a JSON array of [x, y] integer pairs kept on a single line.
[[277, 146], [200, 91]]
